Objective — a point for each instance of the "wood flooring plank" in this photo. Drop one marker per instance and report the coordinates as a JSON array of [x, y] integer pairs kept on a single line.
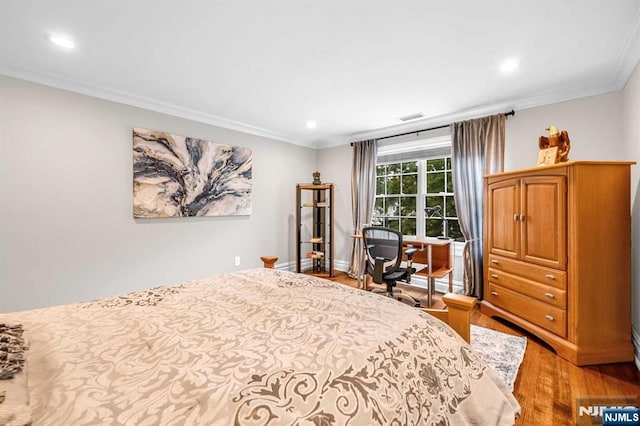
[[545, 384], [563, 400]]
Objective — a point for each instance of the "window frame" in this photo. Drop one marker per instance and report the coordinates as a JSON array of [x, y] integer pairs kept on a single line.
[[421, 148]]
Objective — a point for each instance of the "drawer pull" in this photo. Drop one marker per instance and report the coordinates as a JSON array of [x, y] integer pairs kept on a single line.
[[550, 295], [549, 317], [521, 218], [494, 276], [515, 217], [550, 277], [493, 293], [495, 262]]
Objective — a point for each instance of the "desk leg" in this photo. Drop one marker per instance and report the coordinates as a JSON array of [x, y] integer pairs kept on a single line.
[[359, 275], [430, 280], [362, 277]]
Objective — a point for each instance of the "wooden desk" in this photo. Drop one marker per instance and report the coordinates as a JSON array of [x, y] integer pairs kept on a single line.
[[435, 253]]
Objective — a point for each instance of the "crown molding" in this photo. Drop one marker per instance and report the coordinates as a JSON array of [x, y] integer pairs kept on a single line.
[[484, 110], [155, 105], [628, 57]]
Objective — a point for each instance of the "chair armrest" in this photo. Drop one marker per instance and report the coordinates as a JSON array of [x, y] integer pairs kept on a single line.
[[410, 252], [378, 270]]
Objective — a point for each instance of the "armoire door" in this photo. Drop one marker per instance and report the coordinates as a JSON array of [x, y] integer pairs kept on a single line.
[[543, 220], [503, 212]]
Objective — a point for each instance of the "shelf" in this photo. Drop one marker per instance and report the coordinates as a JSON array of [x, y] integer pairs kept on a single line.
[[318, 229], [438, 273]]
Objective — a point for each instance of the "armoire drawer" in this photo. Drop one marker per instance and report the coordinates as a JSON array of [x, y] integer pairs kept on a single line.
[[541, 274], [542, 314], [545, 293]]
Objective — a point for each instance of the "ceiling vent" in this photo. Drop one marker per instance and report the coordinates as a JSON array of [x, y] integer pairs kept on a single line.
[[411, 117]]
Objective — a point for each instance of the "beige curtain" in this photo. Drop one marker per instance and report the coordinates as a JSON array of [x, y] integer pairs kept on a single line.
[[363, 195], [477, 148]]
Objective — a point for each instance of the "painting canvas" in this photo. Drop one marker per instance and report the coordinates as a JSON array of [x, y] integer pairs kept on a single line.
[[178, 176]]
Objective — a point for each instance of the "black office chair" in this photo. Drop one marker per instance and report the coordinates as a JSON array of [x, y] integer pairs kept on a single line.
[[383, 261]]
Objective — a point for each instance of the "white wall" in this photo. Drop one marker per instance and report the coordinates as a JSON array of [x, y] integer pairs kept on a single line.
[[334, 165], [67, 231], [594, 125], [631, 137]]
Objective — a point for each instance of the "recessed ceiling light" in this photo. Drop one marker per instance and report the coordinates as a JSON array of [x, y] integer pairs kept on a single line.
[[509, 65], [62, 41], [311, 124], [411, 117]]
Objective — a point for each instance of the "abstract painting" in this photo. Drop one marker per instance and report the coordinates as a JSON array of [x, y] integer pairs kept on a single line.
[[178, 176]]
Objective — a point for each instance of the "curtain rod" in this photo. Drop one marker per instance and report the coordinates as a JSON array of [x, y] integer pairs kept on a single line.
[[506, 114]]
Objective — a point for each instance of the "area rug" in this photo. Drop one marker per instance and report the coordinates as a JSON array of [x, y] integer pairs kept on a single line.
[[500, 351]]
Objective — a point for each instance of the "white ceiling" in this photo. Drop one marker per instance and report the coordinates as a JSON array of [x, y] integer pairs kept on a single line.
[[354, 66]]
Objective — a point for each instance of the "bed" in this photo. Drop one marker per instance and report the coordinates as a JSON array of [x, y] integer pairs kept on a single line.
[[256, 347]]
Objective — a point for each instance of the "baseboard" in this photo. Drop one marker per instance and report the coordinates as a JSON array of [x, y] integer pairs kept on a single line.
[[286, 266], [635, 337], [341, 265]]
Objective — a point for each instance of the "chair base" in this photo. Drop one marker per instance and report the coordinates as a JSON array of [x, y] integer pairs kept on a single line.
[[399, 296]]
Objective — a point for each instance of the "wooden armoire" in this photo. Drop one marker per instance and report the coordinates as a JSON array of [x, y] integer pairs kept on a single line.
[[557, 256]]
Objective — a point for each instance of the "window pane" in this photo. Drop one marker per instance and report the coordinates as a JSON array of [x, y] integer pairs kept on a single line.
[[408, 226], [381, 170], [449, 182], [410, 184], [408, 207], [392, 205], [393, 224], [393, 169], [451, 206], [433, 227], [393, 185], [434, 201], [435, 183], [454, 230], [448, 163], [410, 167], [378, 209], [380, 186], [436, 164]]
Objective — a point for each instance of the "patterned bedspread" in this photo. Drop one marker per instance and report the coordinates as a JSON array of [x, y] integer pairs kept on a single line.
[[258, 347]]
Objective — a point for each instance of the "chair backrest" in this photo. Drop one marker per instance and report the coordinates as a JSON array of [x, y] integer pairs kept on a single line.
[[385, 243]]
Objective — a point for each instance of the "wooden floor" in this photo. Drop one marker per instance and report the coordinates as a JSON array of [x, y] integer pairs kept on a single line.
[[547, 386]]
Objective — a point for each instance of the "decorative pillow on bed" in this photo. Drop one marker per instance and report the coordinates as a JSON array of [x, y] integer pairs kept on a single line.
[[14, 392]]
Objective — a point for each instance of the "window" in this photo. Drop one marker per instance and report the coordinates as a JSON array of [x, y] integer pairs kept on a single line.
[[406, 185], [439, 192], [396, 196]]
